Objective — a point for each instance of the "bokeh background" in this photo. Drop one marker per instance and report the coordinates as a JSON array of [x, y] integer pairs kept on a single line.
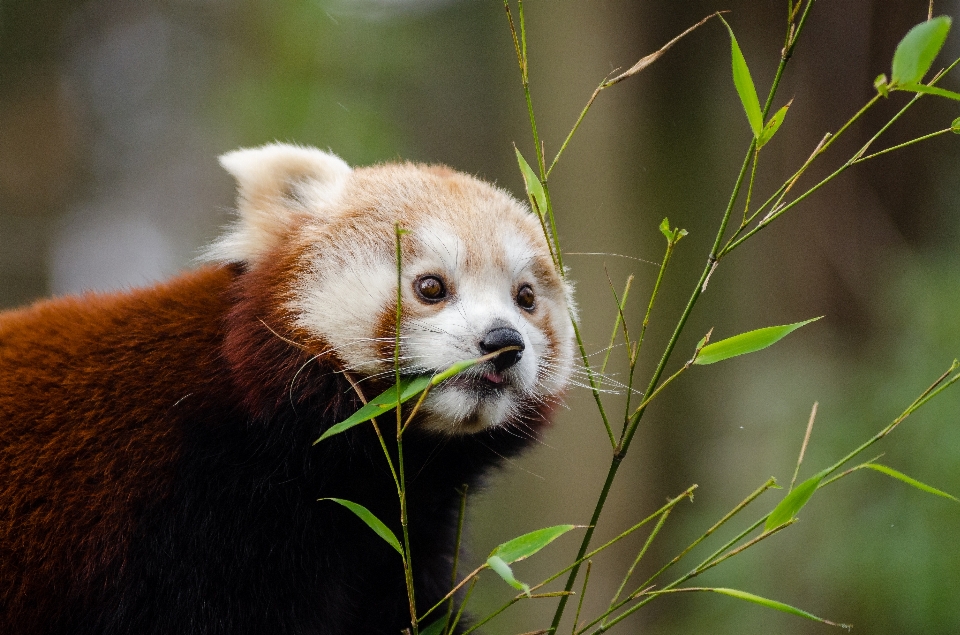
[[112, 114]]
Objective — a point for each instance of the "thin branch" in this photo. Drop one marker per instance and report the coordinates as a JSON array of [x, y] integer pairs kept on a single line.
[[803, 446]]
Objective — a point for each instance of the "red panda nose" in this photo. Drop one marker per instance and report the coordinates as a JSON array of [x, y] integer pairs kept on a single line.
[[501, 337]]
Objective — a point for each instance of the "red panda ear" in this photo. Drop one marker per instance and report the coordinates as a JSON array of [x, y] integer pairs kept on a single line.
[[276, 184]]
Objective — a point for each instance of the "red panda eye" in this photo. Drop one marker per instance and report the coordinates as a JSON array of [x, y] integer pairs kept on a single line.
[[430, 288], [525, 297]]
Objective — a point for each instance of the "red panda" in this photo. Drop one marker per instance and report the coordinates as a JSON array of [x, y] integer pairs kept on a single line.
[[157, 472]]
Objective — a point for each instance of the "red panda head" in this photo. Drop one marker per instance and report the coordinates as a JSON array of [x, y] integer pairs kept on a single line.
[[476, 276]]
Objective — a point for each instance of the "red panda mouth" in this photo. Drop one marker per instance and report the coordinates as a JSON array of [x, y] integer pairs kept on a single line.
[[494, 378], [486, 384]]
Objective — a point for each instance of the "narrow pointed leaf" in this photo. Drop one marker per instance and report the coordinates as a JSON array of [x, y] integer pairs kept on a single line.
[[410, 387], [538, 197], [372, 521], [528, 544], [793, 502], [455, 369], [744, 84], [385, 401], [773, 604], [889, 471], [504, 571], [955, 126], [435, 628], [931, 90], [918, 49], [665, 229], [772, 126], [748, 342]]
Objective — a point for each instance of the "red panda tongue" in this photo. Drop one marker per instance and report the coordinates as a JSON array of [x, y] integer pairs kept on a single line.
[[493, 378]]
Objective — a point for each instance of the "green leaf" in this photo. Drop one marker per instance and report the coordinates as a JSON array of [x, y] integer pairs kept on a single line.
[[955, 126], [889, 471], [435, 628], [665, 229], [528, 544], [505, 572], [744, 84], [773, 604], [793, 502], [538, 197], [748, 342], [409, 388], [930, 90], [772, 126], [917, 50], [372, 522], [882, 85], [455, 369]]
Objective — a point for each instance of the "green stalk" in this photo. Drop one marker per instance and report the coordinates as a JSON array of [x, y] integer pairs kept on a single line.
[[633, 609], [725, 552], [583, 594], [669, 505], [407, 555], [855, 159], [456, 553], [636, 561], [753, 177], [621, 303], [593, 385], [463, 605], [733, 512], [935, 389], [695, 295], [643, 328], [904, 145], [624, 444]]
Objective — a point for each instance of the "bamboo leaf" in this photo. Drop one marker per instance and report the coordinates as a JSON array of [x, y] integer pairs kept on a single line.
[[955, 126], [772, 126], [793, 502], [930, 90], [882, 85], [409, 388], [455, 369], [773, 604], [436, 628], [372, 521], [528, 544], [748, 342], [665, 229], [744, 85], [889, 471], [917, 50], [538, 197], [504, 571]]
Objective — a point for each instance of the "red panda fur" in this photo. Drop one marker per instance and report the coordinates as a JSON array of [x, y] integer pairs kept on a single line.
[[103, 398], [157, 472]]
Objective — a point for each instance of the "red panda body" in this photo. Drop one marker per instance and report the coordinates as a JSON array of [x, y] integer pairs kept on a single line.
[[157, 472]]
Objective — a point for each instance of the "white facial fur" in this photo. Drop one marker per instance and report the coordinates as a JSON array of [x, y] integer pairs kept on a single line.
[[481, 242]]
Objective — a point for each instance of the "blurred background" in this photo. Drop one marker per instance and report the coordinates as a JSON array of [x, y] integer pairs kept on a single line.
[[112, 114]]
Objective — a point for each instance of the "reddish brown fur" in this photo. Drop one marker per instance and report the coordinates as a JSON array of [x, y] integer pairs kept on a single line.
[[86, 478]]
